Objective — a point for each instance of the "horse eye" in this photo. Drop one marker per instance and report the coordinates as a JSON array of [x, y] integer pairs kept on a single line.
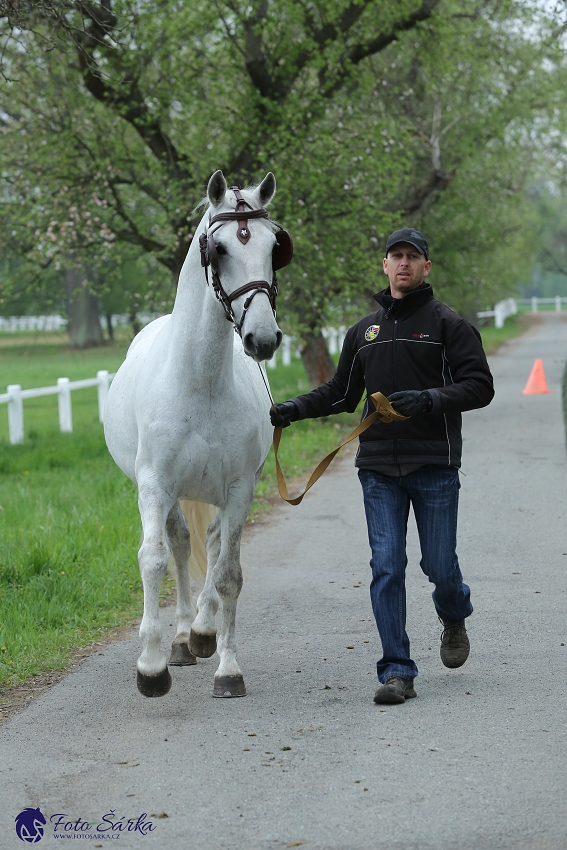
[[221, 249]]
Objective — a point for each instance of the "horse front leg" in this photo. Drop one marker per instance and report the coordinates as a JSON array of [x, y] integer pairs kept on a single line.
[[227, 575], [153, 677]]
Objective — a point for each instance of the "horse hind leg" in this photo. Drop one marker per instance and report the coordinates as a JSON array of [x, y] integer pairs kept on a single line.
[[203, 638], [180, 546]]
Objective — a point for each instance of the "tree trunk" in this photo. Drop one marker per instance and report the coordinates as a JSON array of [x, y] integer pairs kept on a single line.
[[316, 359], [135, 322], [109, 327], [83, 312]]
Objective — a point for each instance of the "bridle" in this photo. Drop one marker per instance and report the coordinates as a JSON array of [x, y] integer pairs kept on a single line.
[[281, 256]]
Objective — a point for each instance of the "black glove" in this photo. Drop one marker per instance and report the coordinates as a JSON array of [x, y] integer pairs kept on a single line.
[[409, 402], [284, 414]]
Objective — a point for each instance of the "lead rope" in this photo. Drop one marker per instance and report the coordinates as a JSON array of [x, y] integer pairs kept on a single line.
[[267, 387], [384, 411]]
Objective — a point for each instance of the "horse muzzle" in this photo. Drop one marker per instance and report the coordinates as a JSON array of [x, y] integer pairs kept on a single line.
[[260, 346]]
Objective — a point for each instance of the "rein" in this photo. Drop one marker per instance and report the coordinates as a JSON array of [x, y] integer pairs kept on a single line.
[[281, 256], [384, 411]]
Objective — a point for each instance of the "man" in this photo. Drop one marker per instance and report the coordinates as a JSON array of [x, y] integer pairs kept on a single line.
[[430, 364]]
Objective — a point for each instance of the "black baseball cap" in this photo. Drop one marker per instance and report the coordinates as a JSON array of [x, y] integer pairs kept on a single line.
[[408, 234]]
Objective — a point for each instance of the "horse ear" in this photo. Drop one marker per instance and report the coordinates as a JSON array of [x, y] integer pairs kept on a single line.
[[216, 190], [266, 190]]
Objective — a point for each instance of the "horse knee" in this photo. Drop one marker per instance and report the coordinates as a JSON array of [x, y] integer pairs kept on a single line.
[[229, 586], [153, 558]]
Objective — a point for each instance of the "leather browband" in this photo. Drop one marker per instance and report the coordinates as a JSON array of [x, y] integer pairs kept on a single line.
[[234, 216], [248, 287]]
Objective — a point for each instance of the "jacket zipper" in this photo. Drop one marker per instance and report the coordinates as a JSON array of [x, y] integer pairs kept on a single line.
[[394, 435]]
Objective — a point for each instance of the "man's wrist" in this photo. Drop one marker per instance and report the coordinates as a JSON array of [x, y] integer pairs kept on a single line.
[[302, 412], [426, 398]]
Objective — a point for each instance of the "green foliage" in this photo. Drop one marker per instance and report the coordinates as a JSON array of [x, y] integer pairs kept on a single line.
[[374, 114], [548, 196], [493, 337]]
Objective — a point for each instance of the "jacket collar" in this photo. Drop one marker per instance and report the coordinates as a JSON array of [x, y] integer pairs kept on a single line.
[[400, 307]]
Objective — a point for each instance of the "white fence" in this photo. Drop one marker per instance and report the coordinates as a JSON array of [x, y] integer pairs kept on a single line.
[[122, 320], [501, 312], [15, 397], [12, 324], [334, 336], [557, 300]]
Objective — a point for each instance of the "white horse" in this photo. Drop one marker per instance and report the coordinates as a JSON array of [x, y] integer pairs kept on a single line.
[[187, 418]]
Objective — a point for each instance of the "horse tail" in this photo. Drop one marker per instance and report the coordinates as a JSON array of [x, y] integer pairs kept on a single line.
[[199, 516]]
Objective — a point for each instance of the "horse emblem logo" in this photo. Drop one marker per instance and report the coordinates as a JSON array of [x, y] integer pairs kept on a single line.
[[372, 332], [29, 825]]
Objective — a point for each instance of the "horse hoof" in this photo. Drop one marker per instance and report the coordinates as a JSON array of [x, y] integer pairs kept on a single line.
[[181, 655], [229, 686], [154, 686], [203, 646]]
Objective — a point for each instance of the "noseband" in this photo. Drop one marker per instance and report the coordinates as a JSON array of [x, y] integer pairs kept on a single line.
[[281, 256]]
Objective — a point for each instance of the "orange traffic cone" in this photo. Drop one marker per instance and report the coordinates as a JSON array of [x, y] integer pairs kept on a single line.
[[536, 385]]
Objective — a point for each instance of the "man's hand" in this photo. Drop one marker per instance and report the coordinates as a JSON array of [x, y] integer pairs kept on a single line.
[[284, 414], [409, 402]]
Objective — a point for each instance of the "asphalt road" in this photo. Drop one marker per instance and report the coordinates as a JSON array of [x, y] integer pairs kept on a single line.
[[477, 761]]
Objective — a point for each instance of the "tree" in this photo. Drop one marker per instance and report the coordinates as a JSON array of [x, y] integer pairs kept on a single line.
[[363, 109]]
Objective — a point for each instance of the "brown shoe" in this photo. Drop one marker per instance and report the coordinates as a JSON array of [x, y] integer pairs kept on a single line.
[[395, 690], [455, 646]]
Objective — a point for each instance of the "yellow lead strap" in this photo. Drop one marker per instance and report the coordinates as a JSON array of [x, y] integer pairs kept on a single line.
[[384, 411]]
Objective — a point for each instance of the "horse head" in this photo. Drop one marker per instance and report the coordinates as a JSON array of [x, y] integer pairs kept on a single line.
[[239, 246]]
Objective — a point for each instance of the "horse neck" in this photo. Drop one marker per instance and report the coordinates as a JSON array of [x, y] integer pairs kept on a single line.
[[202, 338]]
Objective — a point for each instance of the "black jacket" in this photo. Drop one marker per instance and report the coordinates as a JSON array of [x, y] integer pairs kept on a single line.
[[415, 343]]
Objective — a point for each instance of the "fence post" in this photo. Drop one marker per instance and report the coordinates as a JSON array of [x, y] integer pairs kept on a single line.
[[286, 350], [64, 399], [102, 389], [557, 303], [332, 336], [534, 305], [499, 315], [15, 414]]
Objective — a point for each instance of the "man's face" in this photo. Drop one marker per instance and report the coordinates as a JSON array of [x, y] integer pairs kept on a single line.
[[406, 268]]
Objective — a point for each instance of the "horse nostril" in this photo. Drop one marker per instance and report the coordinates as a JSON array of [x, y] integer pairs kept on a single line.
[[249, 346], [279, 337]]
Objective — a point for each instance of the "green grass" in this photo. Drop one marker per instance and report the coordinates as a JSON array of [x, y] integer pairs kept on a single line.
[[493, 337], [69, 531], [69, 523]]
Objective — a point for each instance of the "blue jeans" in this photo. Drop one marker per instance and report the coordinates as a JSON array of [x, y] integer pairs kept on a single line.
[[434, 493]]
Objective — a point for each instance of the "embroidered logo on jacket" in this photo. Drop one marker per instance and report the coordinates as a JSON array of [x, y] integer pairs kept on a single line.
[[372, 332], [421, 336]]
